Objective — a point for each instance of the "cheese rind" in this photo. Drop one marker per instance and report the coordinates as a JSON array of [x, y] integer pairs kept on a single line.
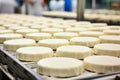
[[74, 51], [107, 49], [34, 53], [53, 43], [85, 41], [102, 64], [13, 45], [60, 67]]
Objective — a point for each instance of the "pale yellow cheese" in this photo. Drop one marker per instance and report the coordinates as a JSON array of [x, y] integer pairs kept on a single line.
[[110, 39], [38, 36], [112, 32], [4, 37], [13, 45], [34, 53], [74, 51], [51, 30], [53, 43], [85, 41], [60, 67], [107, 49], [102, 64]]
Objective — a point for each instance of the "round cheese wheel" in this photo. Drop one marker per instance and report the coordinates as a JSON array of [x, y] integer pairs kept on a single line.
[[38, 36], [17, 28], [110, 39], [102, 64], [99, 24], [91, 34], [107, 49], [74, 51], [13, 45], [51, 30], [112, 32], [6, 31], [60, 67], [4, 37], [98, 28], [53, 43], [75, 29], [85, 41], [65, 35], [25, 31], [34, 53]]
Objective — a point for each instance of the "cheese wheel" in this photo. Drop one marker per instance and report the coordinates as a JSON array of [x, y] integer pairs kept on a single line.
[[53, 43], [110, 39], [2, 28], [65, 35], [114, 27], [99, 24], [34, 53], [17, 28], [112, 32], [75, 29], [74, 51], [102, 64], [6, 31], [25, 31], [91, 33], [85, 41], [60, 67], [51, 30], [4, 37], [107, 49], [98, 28], [38, 36], [38, 27], [13, 45]]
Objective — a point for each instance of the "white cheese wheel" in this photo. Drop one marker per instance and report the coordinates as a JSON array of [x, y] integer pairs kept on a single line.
[[4, 37], [114, 27], [53, 43], [85, 41], [17, 28], [110, 39], [65, 35], [6, 31], [51, 30], [102, 64], [112, 32], [2, 28], [99, 24], [38, 36], [39, 27], [74, 51], [34, 53], [13, 45], [98, 28], [75, 29], [107, 49], [25, 31], [91, 33], [60, 67]]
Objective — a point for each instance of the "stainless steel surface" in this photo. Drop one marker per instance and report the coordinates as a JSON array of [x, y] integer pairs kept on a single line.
[[80, 9]]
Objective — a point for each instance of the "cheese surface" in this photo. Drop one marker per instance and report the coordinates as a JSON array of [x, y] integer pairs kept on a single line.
[[102, 64], [73, 51], [60, 67]]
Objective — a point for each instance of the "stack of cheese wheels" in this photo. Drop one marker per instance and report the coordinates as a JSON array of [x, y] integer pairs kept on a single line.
[[74, 51], [107, 49], [84, 41], [13, 45], [34, 53], [111, 32], [60, 67], [53, 43], [6, 31], [102, 64], [110, 39], [51, 30], [4, 37], [65, 35], [75, 29], [91, 33], [38, 36], [25, 31], [99, 24]]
